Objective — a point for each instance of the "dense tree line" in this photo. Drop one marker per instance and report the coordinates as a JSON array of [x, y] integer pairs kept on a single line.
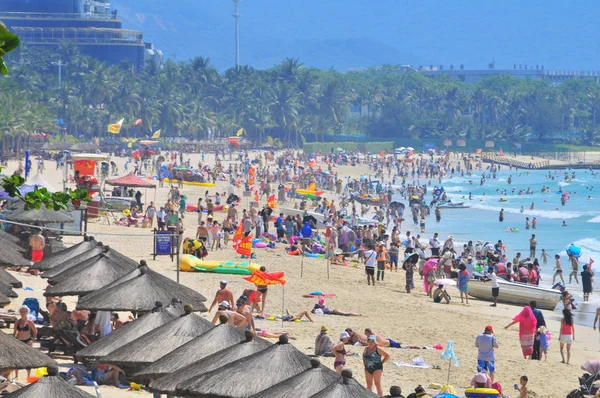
[[192, 99]]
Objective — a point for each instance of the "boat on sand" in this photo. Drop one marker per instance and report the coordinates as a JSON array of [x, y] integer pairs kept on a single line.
[[516, 293]]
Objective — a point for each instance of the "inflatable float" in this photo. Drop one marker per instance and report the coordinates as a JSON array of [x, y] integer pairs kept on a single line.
[[309, 192], [190, 263], [481, 393], [195, 208], [195, 183]]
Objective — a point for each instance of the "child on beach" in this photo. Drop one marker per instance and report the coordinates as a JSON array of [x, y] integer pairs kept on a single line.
[[557, 270], [522, 387], [543, 337], [544, 257]]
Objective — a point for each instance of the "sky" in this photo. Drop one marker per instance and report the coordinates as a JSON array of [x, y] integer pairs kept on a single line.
[[355, 34]]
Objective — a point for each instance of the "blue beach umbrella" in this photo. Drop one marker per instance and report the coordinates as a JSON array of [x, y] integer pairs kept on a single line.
[[449, 354]]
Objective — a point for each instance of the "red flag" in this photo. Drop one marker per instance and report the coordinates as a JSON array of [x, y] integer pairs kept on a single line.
[[138, 122], [266, 278], [245, 246], [238, 235], [272, 202]]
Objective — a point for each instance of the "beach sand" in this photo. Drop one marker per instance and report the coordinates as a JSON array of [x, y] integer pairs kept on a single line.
[[386, 308]]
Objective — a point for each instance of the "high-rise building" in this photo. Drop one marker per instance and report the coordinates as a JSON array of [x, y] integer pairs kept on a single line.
[[91, 25]]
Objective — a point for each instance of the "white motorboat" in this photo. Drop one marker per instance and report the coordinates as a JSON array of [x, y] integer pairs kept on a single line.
[[516, 293]]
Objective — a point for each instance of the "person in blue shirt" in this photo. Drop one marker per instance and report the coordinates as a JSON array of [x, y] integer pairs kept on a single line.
[[486, 358], [306, 230], [280, 227]]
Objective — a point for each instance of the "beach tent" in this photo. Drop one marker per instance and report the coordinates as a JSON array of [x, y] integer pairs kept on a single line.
[[54, 274], [16, 355], [214, 340], [303, 385], [7, 278], [130, 331], [130, 181], [138, 291], [51, 386], [89, 276], [37, 181], [55, 259], [345, 387], [277, 363], [159, 342], [168, 384]]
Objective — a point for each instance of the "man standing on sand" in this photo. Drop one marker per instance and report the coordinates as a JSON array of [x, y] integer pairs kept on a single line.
[[37, 244], [597, 317], [495, 285], [486, 358], [532, 246], [223, 295]]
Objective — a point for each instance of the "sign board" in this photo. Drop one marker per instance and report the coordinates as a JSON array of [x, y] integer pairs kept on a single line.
[[246, 194], [461, 143], [164, 243]]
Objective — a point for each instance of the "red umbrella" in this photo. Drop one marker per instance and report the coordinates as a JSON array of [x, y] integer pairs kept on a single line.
[[429, 265]]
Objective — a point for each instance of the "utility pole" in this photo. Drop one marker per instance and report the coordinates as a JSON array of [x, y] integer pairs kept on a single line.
[[236, 15], [60, 65]]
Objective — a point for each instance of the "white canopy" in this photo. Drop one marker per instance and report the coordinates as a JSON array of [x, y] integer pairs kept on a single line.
[[39, 181]]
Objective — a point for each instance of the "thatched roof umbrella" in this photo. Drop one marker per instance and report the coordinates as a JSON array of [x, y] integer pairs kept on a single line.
[[6, 236], [84, 147], [11, 244], [9, 256], [6, 289], [4, 300], [59, 272], [138, 291], [303, 385], [51, 386], [129, 332], [65, 255], [7, 277], [168, 383], [16, 355], [346, 387], [40, 216], [264, 369], [214, 340], [94, 275], [159, 342]]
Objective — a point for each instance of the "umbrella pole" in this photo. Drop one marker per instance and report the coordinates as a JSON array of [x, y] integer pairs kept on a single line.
[[449, 368], [302, 266], [282, 302], [327, 267]]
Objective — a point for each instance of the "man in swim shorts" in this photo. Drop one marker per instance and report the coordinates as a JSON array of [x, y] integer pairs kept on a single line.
[[383, 342]]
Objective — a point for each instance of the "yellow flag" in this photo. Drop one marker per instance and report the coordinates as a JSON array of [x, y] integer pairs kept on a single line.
[[240, 132], [115, 128], [156, 134]]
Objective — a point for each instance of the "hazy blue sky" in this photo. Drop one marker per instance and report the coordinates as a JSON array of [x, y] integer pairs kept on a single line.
[[348, 34]]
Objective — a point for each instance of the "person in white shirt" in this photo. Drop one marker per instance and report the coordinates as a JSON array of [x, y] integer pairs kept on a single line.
[[370, 262], [435, 245], [495, 285]]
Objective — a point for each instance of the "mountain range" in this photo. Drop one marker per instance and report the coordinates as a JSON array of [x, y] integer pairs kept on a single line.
[[355, 34]]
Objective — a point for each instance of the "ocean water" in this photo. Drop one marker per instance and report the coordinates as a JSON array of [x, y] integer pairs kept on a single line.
[[480, 221]]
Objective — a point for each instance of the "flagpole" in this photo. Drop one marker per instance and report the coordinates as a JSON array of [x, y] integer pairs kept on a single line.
[[282, 302]]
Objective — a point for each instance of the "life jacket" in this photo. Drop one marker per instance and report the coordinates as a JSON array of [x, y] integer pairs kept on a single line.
[[501, 271]]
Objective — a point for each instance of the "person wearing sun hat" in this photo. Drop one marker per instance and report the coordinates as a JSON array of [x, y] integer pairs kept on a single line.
[[323, 343], [486, 358], [481, 380]]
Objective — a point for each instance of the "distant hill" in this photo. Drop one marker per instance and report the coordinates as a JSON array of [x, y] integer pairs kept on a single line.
[[351, 34]]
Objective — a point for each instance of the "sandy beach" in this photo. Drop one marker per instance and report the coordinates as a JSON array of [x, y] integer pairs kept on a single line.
[[385, 308]]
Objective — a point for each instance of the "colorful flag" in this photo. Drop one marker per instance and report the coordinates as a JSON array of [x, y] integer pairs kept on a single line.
[[115, 128], [245, 246], [138, 122], [239, 132], [156, 134], [238, 235], [266, 278], [272, 202]]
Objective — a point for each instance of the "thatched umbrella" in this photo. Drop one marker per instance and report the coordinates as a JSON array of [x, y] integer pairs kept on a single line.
[[168, 384], [214, 340], [16, 355], [346, 387], [51, 386], [129, 332], [262, 370], [40, 216], [303, 385], [12, 257], [159, 342], [6, 236], [6, 290], [10, 244], [94, 275], [4, 300], [84, 147], [138, 291], [59, 272], [7, 277], [65, 255]]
